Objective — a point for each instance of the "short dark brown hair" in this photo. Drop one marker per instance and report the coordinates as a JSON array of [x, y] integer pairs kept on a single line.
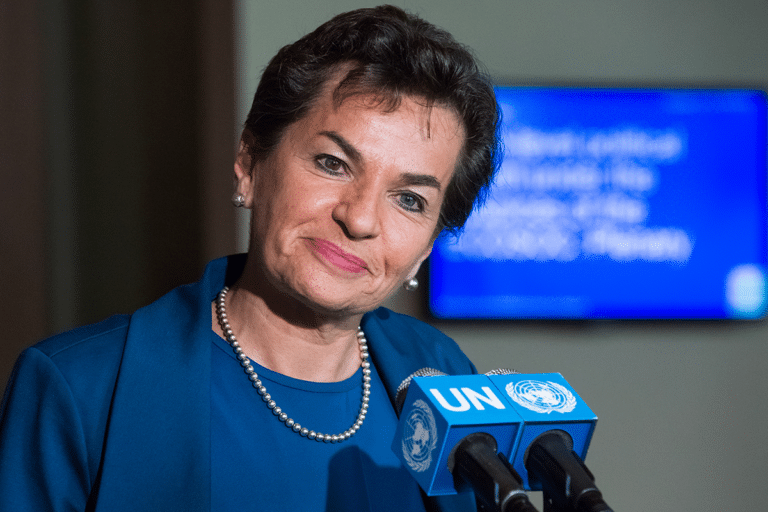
[[392, 54]]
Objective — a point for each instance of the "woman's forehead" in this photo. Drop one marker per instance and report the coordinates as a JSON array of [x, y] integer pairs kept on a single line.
[[350, 82], [425, 117]]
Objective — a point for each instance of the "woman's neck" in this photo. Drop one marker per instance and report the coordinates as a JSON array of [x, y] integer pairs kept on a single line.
[[289, 338]]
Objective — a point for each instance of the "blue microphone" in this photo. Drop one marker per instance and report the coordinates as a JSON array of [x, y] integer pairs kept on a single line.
[[553, 441], [445, 449], [545, 402], [437, 412]]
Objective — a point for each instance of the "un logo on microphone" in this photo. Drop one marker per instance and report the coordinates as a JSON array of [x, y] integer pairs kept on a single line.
[[541, 396], [419, 437]]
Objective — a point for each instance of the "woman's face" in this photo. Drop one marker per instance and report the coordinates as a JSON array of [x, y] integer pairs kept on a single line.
[[346, 207]]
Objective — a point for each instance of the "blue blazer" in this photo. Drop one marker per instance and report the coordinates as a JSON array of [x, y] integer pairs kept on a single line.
[[115, 416]]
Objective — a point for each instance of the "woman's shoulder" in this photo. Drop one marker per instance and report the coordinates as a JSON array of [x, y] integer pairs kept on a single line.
[[60, 389], [84, 340], [85, 358]]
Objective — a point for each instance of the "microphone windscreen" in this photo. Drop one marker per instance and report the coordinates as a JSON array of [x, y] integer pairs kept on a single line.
[[402, 389], [502, 371]]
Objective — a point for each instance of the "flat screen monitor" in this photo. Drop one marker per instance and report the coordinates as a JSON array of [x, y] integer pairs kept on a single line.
[[616, 204]]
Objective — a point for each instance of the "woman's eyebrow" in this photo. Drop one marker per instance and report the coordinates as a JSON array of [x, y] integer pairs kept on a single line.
[[406, 178], [416, 180], [345, 146]]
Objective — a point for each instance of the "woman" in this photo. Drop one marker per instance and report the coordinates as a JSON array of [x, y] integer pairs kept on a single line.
[[366, 139]]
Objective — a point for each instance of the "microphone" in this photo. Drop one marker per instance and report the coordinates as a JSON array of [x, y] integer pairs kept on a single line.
[[474, 461], [540, 423], [567, 483], [556, 433], [445, 442]]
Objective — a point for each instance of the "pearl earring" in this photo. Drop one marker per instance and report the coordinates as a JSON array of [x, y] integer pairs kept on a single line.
[[238, 200], [411, 284]]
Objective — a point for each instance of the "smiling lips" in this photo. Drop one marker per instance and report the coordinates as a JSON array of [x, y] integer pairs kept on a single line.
[[335, 255]]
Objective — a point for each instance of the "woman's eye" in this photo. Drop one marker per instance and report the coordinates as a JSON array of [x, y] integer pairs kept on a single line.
[[411, 202], [330, 164]]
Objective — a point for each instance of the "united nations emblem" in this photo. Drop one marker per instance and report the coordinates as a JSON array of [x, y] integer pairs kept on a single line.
[[542, 397], [419, 437]]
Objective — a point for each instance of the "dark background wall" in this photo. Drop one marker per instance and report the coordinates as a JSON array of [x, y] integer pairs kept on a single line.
[[116, 144]]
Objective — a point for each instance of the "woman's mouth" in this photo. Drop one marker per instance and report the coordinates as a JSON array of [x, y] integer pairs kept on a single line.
[[336, 256]]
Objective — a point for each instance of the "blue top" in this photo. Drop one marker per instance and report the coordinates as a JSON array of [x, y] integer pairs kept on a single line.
[[251, 449], [117, 416]]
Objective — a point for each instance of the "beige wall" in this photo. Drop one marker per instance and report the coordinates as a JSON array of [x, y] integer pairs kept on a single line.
[[681, 404]]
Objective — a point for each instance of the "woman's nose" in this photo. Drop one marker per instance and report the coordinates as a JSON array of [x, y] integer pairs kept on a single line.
[[357, 212]]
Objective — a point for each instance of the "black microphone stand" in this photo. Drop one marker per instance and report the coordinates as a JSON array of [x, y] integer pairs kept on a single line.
[[497, 485]]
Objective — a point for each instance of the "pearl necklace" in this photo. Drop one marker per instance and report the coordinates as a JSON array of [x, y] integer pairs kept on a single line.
[[221, 315]]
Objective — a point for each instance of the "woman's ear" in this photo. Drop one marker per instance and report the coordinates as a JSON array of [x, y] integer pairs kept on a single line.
[[244, 168]]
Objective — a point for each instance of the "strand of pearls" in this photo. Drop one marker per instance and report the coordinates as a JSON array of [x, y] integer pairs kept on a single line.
[[221, 315]]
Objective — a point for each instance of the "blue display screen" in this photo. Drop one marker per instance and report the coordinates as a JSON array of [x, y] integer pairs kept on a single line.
[[616, 203]]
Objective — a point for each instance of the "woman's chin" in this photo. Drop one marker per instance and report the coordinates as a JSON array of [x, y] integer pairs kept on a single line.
[[339, 306], [338, 299]]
